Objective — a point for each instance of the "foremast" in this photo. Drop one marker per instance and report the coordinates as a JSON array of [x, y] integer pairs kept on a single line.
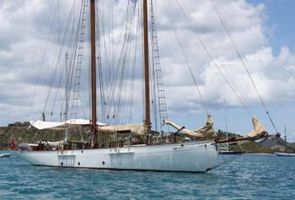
[[147, 119], [93, 74]]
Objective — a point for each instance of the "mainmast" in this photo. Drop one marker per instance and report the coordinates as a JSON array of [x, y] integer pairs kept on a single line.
[[67, 91], [67, 95], [147, 120], [93, 73], [285, 130]]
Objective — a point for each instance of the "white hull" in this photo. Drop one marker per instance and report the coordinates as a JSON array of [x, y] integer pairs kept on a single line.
[[285, 154], [186, 157]]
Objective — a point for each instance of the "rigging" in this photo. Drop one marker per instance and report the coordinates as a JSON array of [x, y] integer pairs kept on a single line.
[[243, 63], [215, 63], [159, 101]]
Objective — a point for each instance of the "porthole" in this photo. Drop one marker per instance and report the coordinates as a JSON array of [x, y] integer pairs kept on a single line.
[[103, 162]]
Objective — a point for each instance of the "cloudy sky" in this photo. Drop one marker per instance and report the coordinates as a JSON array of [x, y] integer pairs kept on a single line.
[[261, 30]]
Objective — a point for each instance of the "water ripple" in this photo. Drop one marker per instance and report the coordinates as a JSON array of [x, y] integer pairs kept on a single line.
[[244, 177]]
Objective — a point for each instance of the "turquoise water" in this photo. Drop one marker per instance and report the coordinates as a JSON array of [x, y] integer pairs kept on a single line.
[[244, 177]]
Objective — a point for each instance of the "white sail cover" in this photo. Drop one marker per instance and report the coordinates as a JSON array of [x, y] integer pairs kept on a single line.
[[57, 143], [259, 130], [78, 122], [137, 129], [41, 125], [82, 122]]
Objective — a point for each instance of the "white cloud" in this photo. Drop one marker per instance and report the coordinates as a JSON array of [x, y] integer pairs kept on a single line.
[[245, 24], [23, 40]]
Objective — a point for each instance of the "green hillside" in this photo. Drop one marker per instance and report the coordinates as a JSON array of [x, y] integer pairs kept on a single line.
[[24, 133]]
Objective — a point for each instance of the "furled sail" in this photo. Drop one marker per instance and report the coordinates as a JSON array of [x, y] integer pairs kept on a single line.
[[184, 130], [136, 129], [207, 130], [57, 143], [258, 131], [41, 125]]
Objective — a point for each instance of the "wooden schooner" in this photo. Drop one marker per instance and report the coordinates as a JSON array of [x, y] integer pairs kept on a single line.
[[182, 156]]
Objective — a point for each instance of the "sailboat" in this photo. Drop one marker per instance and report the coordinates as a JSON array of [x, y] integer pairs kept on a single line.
[[285, 153], [182, 156], [224, 148]]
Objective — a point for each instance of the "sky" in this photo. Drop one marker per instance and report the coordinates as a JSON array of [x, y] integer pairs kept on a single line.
[[261, 31]]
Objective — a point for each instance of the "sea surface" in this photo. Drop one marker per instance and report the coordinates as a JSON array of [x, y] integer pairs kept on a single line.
[[241, 177]]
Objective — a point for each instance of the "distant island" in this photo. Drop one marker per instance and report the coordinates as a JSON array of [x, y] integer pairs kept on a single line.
[[23, 132], [264, 146]]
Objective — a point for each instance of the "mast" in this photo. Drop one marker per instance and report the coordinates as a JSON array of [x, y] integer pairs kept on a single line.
[[66, 89], [93, 73], [147, 120], [285, 130], [67, 95], [226, 127]]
